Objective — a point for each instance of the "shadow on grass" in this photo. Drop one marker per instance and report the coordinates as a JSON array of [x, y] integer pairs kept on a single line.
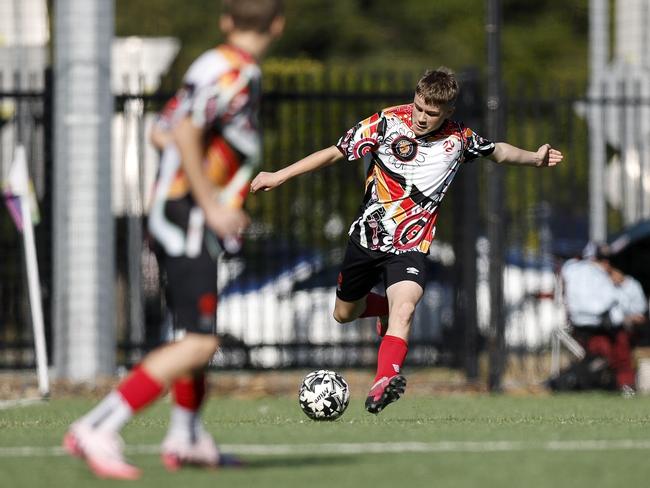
[[289, 461]]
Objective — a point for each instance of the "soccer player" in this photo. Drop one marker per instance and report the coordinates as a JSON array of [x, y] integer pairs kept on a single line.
[[211, 142], [414, 151]]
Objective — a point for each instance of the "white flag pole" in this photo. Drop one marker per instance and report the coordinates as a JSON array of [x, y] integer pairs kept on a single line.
[[19, 181]]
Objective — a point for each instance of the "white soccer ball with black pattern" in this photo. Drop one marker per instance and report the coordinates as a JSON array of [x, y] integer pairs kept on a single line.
[[324, 395]]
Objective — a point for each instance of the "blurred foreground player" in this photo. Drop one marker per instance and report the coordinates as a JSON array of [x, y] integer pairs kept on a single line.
[[414, 151], [210, 140]]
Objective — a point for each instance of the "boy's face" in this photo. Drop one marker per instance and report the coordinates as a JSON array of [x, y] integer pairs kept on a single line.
[[427, 118]]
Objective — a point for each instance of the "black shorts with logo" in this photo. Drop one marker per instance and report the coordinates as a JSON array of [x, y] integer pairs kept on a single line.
[[190, 282], [362, 269]]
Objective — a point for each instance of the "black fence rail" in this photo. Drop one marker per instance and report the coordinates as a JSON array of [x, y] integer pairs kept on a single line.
[[277, 295], [25, 119]]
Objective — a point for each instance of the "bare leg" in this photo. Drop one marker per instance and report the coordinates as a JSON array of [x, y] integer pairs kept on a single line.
[[180, 359], [402, 300], [348, 311], [389, 383]]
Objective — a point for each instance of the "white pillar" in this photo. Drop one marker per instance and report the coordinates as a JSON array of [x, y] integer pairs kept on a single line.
[[83, 301], [598, 58]]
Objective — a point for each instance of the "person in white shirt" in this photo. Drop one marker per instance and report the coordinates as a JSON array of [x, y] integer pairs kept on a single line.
[[601, 304], [589, 292], [632, 304]]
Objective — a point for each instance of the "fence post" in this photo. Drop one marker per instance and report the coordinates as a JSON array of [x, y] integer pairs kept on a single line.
[[495, 179], [466, 207]]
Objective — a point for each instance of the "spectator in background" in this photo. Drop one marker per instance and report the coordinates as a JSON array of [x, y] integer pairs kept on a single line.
[[603, 304], [589, 293], [632, 307], [632, 304]]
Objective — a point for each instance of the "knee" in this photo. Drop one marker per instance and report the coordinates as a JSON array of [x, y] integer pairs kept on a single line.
[[341, 316], [202, 347], [346, 311]]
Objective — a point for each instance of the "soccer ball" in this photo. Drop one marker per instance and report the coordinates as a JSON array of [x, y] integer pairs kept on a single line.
[[324, 395]]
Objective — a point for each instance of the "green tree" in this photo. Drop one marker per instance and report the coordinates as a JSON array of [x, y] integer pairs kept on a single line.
[[545, 39]]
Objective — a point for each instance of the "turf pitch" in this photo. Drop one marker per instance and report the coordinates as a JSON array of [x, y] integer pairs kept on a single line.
[[593, 440]]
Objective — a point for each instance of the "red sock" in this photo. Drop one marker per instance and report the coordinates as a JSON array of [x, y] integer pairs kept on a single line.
[[392, 352], [190, 392], [139, 389], [376, 306]]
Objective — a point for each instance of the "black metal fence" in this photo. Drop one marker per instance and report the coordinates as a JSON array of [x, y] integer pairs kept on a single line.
[[276, 297], [25, 118]]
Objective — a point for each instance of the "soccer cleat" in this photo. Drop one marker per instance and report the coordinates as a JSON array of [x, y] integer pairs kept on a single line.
[[177, 452], [382, 325], [71, 445], [384, 392], [102, 452]]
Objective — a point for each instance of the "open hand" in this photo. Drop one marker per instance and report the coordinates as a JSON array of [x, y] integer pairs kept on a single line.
[[547, 156]]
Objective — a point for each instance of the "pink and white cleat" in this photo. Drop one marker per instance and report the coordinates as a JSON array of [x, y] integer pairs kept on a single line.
[[177, 452], [384, 392], [101, 450]]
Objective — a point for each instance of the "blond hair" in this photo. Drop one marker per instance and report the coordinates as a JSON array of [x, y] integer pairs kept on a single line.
[[438, 87], [252, 15]]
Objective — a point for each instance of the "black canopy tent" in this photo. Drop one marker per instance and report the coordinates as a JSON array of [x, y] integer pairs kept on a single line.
[[630, 252]]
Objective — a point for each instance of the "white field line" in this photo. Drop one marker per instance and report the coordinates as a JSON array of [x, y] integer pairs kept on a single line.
[[23, 402], [372, 447]]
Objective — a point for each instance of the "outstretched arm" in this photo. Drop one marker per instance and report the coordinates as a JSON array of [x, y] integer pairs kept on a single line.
[[509, 154], [267, 181]]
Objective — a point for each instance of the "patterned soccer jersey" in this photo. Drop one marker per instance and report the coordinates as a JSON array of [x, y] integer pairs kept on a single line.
[[408, 177], [221, 93]]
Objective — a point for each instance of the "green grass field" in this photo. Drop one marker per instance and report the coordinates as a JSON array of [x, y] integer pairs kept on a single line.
[[456, 441]]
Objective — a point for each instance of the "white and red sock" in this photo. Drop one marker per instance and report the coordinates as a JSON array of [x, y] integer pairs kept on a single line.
[[392, 352], [189, 394], [137, 391], [140, 389], [111, 403]]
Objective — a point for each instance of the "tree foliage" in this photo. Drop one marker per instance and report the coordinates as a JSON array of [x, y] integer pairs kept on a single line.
[[545, 39]]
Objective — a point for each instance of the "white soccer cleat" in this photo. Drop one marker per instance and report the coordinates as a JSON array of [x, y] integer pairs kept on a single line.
[[177, 451], [102, 452]]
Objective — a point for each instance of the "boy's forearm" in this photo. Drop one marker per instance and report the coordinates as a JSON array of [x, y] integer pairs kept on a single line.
[[314, 161], [160, 137], [505, 153], [189, 140]]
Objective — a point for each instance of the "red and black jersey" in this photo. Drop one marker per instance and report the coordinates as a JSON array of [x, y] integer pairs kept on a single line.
[[221, 94], [408, 176]]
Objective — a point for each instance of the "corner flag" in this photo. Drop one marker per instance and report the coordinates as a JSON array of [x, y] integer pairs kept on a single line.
[[18, 186], [19, 195]]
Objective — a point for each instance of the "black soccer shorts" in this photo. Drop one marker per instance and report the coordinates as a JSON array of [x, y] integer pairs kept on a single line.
[[362, 269], [191, 282]]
